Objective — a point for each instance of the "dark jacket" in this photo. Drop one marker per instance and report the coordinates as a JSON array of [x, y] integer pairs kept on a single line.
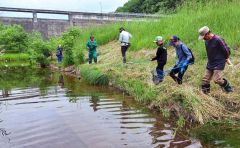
[[161, 55], [59, 52], [217, 53]]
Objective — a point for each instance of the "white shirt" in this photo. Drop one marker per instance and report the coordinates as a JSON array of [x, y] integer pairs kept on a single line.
[[124, 38]]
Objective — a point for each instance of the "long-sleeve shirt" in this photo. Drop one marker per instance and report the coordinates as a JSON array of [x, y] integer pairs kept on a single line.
[[217, 53], [183, 54], [91, 45], [124, 38], [161, 55]]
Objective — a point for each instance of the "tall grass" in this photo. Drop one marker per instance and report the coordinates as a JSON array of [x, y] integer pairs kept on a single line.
[[186, 101], [14, 57], [93, 75], [221, 16]]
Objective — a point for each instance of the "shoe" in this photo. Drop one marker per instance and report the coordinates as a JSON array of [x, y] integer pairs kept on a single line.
[[226, 86], [206, 88], [179, 81]]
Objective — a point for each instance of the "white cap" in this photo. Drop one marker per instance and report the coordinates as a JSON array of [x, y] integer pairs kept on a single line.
[[158, 38], [202, 32]]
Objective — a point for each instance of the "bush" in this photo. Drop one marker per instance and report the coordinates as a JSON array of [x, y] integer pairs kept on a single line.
[[39, 49], [13, 38], [68, 39]]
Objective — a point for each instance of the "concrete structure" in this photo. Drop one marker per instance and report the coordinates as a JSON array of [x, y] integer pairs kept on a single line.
[[54, 27]]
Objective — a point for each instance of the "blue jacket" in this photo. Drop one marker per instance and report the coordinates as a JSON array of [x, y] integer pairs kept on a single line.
[[183, 54]]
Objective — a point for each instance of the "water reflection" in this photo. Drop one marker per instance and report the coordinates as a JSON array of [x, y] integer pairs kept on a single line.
[[5, 93], [62, 111], [61, 81], [94, 102]]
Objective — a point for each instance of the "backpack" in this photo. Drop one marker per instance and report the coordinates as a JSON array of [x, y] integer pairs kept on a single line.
[[192, 60], [58, 53]]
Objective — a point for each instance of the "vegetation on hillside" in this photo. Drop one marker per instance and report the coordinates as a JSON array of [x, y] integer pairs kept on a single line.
[[186, 101], [149, 6]]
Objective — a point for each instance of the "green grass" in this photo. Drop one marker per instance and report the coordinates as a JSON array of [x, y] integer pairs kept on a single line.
[[94, 76], [222, 17], [14, 57]]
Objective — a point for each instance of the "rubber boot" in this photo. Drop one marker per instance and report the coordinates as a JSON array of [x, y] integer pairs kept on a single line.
[[124, 60], [179, 81], [226, 86], [206, 88], [176, 79]]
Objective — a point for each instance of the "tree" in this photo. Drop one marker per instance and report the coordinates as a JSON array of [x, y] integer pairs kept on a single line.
[[13, 38]]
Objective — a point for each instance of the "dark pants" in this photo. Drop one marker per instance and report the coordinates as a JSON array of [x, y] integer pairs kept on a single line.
[[180, 71], [92, 55], [124, 50], [159, 70], [59, 59]]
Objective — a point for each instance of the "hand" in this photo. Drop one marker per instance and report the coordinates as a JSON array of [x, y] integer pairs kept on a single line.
[[229, 62]]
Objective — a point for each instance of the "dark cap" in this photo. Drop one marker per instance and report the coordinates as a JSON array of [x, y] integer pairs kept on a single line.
[[173, 39]]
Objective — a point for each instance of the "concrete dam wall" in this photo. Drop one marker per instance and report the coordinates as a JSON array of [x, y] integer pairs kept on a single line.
[[54, 27]]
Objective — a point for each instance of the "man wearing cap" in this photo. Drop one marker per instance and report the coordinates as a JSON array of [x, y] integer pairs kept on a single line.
[[124, 39], [161, 57], [183, 57], [218, 53]]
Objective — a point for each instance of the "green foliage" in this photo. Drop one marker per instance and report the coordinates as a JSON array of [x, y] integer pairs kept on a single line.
[[79, 56], [186, 23], [94, 76], [13, 57], [149, 6], [13, 38], [39, 49], [68, 40], [225, 132]]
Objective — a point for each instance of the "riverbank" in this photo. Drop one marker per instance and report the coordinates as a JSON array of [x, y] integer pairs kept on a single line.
[[184, 101]]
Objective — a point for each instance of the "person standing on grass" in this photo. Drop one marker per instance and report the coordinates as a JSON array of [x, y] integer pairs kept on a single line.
[[92, 50], [218, 54], [184, 57], [161, 57], [59, 53], [124, 39]]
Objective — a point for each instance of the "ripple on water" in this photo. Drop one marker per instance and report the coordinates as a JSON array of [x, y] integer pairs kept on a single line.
[[57, 117]]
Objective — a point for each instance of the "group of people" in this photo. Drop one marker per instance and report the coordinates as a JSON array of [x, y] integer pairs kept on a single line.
[[217, 53]]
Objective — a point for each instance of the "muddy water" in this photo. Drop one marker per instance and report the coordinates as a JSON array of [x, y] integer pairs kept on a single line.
[[42, 109]]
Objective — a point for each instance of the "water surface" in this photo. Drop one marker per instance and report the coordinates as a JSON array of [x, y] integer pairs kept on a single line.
[[43, 109]]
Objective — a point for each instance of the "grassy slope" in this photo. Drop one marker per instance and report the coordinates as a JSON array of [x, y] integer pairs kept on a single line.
[[187, 100]]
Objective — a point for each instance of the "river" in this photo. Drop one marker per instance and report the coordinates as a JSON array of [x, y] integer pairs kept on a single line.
[[45, 109]]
